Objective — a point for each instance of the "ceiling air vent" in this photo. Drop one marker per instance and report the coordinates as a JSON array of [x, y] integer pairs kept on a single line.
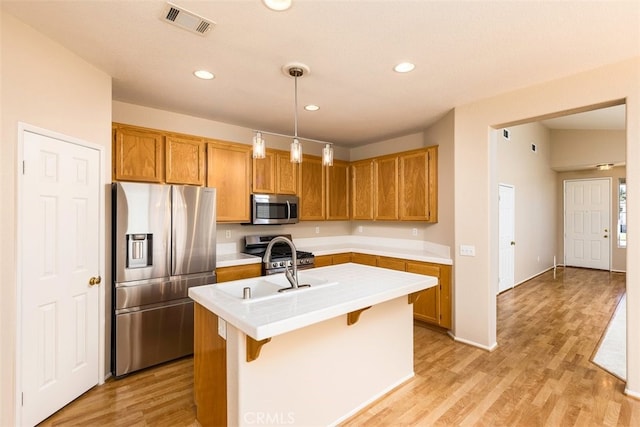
[[186, 20]]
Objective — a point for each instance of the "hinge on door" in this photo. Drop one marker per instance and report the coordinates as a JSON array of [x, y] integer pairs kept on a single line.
[[22, 399], [23, 167]]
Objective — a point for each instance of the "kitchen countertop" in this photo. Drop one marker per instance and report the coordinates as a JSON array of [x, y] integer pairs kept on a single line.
[[394, 248], [358, 286], [372, 249], [234, 259]]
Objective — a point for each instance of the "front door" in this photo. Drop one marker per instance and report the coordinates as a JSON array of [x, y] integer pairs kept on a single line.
[[587, 224], [506, 259], [60, 202]]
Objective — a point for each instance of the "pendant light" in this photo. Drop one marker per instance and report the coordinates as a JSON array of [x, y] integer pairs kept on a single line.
[[294, 70], [296, 147], [327, 155], [259, 149]]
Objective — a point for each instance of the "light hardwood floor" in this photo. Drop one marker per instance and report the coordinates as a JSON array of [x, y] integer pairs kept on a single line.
[[540, 374]]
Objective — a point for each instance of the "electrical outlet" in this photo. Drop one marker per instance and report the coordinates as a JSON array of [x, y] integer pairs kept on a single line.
[[359, 229], [317, 230], [467, 250], [414, 231], [222, 328], [227, 234]]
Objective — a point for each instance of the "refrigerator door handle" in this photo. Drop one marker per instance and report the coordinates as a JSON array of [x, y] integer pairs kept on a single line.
[[177, 221]]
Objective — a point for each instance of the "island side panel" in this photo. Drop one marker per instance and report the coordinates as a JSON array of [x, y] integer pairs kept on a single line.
[[324, 373], [210, 369]]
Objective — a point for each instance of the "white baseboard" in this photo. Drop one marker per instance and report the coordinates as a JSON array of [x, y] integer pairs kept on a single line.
[[631, 393], [473, 343], [533, 276]]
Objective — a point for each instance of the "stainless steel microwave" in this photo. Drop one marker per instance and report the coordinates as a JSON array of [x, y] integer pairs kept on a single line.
[[274, 209]]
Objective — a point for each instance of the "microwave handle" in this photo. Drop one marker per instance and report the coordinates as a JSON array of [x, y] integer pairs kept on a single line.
[[288, 211]]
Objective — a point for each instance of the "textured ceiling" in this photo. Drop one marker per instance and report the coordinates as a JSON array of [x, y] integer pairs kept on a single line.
[[463, 51]]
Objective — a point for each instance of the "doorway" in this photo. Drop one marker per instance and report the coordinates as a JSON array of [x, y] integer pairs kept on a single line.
[[506, 225], [60, 302], [587, 223]]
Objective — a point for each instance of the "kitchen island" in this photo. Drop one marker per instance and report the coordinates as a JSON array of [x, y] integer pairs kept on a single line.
[[313, 356]]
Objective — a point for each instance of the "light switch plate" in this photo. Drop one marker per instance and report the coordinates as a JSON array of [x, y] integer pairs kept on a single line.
[[467, 250]]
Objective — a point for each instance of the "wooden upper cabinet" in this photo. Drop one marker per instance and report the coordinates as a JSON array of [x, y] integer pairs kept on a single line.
[[229, 171], [138, 155], [275, 174], [312, 189], [286, 174], [185, 161], [362, 189], [432, 178], [264, 174], [386, 187], [338, 190], [417, 192]]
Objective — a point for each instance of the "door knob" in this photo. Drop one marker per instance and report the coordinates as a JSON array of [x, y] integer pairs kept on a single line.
[[95, 281], [605, 236], [513, 243]]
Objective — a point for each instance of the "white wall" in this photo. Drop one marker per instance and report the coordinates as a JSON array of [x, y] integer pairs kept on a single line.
[[476, 208], [583, 149], [44, 85], [535, 196]]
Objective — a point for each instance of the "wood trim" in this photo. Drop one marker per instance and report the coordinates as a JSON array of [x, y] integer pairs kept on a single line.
[[354, 316], [254, 347], [413, 297]]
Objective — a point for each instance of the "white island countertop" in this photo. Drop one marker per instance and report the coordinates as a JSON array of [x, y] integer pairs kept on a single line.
[[358, 287]]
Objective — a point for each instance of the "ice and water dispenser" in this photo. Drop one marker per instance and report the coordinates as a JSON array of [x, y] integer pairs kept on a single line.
[[139, 250]]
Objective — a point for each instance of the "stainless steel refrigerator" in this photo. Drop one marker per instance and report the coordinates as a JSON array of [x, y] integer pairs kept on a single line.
[[164, 242]]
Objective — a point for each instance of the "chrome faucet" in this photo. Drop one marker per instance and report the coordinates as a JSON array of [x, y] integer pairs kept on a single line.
[[291, 275]]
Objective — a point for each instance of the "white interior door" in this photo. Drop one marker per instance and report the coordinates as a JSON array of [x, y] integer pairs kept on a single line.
[[587, 223], [59, 254], [507, 220]]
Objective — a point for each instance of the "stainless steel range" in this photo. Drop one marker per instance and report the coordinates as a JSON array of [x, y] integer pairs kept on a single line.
[[281, 256]]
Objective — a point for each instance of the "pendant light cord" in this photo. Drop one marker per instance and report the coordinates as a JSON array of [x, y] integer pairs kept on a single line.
[[295, 106]]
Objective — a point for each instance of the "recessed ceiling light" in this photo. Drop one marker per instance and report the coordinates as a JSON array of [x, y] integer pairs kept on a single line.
[[203, 74], [277, 5], [404, 67], [311, 107]]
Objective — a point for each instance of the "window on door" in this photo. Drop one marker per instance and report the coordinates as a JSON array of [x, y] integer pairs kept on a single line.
[[622, 213]]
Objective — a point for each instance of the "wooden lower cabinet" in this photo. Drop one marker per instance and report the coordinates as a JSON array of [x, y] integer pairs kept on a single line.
[[434, 304], [209, 369], [237, 272], [325, 260], [341, 258], [364, 259]]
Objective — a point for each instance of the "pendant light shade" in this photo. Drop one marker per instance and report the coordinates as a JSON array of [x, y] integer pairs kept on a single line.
[[259, 149], [296, 151], [327, 155]]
